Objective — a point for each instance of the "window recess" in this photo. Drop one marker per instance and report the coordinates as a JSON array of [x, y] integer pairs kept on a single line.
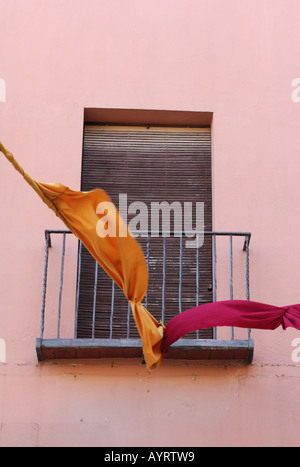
[[86, 315]]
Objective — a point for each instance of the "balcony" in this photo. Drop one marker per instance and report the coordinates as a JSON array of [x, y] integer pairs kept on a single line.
[[85, 316]]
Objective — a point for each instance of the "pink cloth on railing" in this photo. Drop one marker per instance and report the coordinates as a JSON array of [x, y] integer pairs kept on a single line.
[[237, 313]]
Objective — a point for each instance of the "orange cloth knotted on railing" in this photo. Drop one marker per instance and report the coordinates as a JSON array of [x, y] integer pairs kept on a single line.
[[119, 255]]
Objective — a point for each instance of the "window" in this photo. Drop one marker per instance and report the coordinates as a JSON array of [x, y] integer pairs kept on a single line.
[[148, 164]]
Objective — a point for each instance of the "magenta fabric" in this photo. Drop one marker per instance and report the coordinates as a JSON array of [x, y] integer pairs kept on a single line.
[[237, 313]]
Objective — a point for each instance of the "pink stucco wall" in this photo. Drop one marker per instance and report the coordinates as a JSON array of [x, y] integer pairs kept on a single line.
[[237, 59]]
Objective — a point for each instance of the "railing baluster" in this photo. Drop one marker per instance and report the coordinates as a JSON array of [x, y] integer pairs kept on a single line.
[[128, 319], [247, 269], [164, 279], [61, 283], [197, 279], [48, 243], [95, 299], [147, 260], [215, 268], [231, 269], [78, 287], [197, 272], [112, 309], [231, 278], [212, 234], [215, 278]]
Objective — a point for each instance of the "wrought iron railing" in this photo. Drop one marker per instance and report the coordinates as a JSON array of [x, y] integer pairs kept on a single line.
[[222, 258]]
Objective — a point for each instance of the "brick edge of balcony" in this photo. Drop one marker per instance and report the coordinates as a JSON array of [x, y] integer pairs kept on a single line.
[[185, 349]]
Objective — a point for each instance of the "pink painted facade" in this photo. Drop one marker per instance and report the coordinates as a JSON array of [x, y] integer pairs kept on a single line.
[[236, 59]]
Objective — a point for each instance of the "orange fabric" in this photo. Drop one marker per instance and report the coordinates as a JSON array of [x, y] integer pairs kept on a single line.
[[120, 256]]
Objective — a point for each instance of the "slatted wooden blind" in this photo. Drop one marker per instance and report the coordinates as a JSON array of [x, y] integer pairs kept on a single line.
[[148, 164]]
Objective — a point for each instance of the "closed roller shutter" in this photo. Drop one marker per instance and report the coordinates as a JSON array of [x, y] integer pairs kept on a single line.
[[148, 164]]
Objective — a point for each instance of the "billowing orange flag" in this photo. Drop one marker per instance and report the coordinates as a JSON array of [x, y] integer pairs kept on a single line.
[[88, 215]]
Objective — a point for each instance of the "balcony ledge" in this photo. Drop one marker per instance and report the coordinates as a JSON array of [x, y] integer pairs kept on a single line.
[[186, 349]]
